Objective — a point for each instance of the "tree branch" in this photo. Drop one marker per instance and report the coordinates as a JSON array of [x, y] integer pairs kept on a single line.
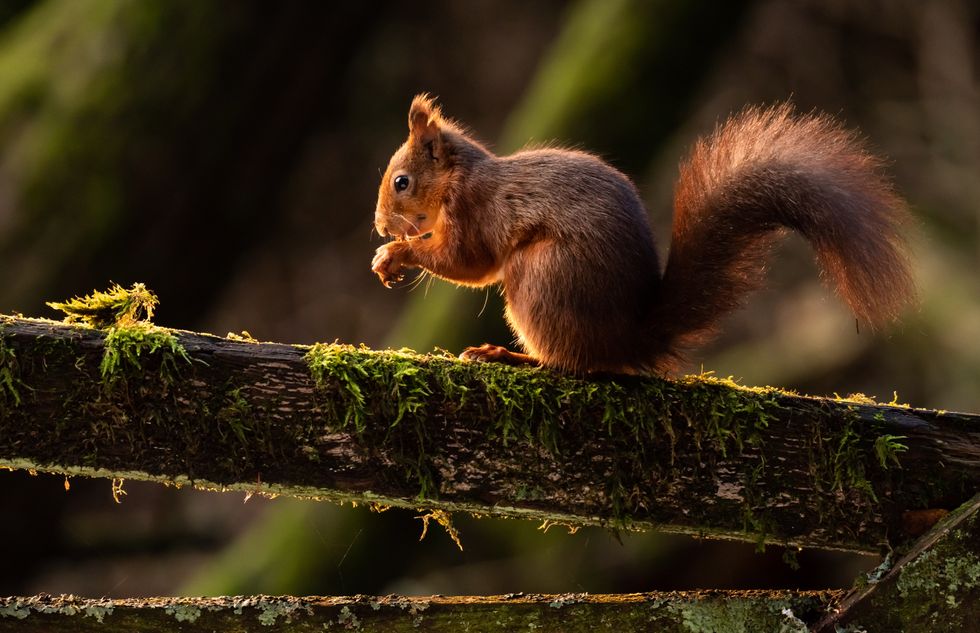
[[393, 428], [568, 613]]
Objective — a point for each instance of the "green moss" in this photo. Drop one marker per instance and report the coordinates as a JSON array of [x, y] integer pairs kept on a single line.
[[10, 384], [790, 557], [397, 398], [641, 434], [848, 464], [887, 448], [103, 309], [128, 346], [236, 414]]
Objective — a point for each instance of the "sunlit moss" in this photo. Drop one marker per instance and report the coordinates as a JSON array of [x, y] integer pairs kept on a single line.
[[117, 305], [444, 519], [130, 338]]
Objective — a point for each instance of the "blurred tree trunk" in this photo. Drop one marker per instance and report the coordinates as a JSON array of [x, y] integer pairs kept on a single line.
[[138, 131]]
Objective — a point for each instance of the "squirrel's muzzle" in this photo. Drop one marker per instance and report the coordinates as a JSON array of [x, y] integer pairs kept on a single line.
[[380, 225]]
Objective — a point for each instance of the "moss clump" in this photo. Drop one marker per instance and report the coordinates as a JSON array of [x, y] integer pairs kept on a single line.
[[103, 309], [887, 448], [127, 346], [406, 393], [126, 313], [848, 466], [400, 369], [236, 414], [9, 381]]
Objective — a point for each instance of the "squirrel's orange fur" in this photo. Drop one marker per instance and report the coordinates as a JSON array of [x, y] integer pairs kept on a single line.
[[568, 237]]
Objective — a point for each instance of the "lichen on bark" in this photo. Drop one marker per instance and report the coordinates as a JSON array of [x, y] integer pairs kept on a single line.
[[669, 612], [934, 587]]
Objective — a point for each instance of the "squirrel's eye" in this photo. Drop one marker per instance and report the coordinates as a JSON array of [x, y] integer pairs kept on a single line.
[[401, 182]]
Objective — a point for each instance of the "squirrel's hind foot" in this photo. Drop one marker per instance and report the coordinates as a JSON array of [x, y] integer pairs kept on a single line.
[[488, 353]]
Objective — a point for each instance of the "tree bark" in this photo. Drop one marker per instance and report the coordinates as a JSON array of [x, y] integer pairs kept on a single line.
[[934, 587], [394, 428], [671, 612]]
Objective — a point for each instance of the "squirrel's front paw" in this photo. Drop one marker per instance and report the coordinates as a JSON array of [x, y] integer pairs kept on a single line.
[[390, 262]]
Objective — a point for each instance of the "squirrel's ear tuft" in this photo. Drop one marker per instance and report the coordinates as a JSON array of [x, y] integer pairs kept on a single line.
[[423, 124]]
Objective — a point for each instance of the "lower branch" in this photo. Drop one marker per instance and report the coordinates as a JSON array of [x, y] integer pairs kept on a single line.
[[933, 588], [672, 612]]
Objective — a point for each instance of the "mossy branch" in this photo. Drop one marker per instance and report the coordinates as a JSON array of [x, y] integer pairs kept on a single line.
[[109, 307], [698, 455], [933, 588], [679, 612]]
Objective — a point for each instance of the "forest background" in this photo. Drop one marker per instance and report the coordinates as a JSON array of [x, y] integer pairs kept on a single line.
[[227, 154]]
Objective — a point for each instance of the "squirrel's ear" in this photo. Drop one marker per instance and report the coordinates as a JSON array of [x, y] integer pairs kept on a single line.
[[423, 124]]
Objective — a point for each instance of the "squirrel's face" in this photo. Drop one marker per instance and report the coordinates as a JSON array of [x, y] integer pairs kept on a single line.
[[414, 186], [410, 195]]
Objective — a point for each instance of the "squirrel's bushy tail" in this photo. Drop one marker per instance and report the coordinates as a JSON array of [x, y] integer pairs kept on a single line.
[[764, 170]]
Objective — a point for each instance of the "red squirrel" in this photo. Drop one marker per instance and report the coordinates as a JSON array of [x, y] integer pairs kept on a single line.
[[567, 236]]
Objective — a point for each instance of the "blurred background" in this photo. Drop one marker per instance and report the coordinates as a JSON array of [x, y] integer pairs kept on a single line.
[[227, 154]]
